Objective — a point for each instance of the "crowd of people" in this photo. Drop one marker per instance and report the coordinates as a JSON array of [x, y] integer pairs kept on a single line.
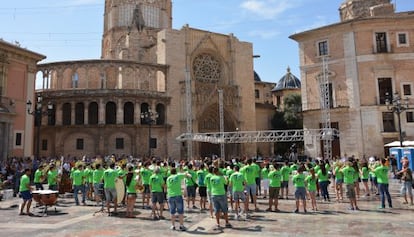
[[222, 186]]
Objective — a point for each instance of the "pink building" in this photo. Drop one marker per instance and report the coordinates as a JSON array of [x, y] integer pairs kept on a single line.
[[17, 86]]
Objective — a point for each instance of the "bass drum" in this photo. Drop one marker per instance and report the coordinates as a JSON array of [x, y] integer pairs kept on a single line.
[[120, 190]]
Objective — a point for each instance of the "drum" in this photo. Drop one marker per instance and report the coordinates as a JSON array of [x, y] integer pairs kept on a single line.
[[36, 196], [45, 197], [120, 190]]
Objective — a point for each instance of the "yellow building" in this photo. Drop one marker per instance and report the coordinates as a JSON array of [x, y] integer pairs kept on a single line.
[[369, 56]]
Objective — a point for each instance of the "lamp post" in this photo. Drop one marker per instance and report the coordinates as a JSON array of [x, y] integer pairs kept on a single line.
[[395, 104], [38, 114], [149, 117]]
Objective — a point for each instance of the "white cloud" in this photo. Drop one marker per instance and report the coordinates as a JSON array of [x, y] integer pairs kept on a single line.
[[268, 9], [264, 34]]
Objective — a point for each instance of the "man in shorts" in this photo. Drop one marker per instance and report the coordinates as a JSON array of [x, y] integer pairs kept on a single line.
[[349, 173], [157, 190], [219, 197], [237, 182], [25, 192], [109, 177]]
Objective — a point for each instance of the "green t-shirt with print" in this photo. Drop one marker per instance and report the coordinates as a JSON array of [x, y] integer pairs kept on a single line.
[[285, 172], [349, 173], [109, 177], [38, 174], [77, 177], [131, 187], [338, 173], [156, 183], [24, 183], [52, 177], [249, 173], [265, 173], [310, 183], [275, 178], [207, 181], [237, 182], [201, 175], [382, 174], [97, 176], [322, 177], [299, 180], [190, 181], [145, 175], [217, 183], [174, 184]]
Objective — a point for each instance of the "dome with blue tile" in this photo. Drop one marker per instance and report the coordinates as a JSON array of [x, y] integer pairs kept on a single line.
[[288, 81], [256, 76]]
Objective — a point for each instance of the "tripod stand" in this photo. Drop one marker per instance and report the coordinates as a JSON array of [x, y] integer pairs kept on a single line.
[[102, 197]]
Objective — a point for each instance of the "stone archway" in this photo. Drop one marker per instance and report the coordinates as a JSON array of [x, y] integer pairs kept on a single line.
[[209, 121]]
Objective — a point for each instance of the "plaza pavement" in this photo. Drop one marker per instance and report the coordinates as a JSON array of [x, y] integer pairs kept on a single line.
[[332, 219]]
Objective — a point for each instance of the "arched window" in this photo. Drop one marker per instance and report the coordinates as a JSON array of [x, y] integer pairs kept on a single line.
[[51, 115], [79, 113], [93, 113], [144, 109], [161, 114], [110, 113], [128, 113], [66, 113], [75, 80]]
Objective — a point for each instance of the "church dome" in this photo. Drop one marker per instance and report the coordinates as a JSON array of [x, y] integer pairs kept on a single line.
[[288, 81]]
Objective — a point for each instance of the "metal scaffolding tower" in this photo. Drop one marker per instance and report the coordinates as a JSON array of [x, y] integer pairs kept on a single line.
[[326, 110], [221, 114], [189, 113]]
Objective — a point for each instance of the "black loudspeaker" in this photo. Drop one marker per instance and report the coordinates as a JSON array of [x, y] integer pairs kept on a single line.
[[153, 143]]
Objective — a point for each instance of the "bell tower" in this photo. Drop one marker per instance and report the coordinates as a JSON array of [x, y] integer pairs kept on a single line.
[[131, 27], [352, 9]]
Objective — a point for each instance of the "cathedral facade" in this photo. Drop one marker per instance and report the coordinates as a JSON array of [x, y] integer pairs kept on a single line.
[[367, 59], [133, 100]]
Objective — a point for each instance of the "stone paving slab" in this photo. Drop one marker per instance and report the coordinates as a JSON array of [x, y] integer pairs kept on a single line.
[[332, 219]]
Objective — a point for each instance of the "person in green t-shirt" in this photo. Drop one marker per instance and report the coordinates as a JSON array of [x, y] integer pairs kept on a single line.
[[97, 181], [237, 183], [339, 180], [249, 172], [38, 176], [52, 176], [286, 171], [218, 196], [157, 193], [202, 188], [190, 183], [300, 192], [275, 182], [88, 172], [130, 184], [365, 177], [110, 175], [207, 182], [145, 174], [311, 181], [78, 178], [349, 173], [25, 192], [323, 180], [265, 179], [382, 178], [175, 197]]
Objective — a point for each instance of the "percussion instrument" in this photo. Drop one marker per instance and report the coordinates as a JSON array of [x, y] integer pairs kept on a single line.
[[45, 198], [120, 190]]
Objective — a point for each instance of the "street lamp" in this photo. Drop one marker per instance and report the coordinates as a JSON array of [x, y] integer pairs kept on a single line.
[[38, 114], [396, 105], [149, 117]]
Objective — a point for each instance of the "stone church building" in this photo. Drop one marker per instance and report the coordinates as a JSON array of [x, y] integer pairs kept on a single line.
[[369, 59], [132, 101]]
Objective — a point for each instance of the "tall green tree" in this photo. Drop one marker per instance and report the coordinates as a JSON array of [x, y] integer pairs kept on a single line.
[[293, 111]]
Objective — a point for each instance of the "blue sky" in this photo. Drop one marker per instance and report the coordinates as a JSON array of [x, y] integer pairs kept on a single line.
[[72, 29]]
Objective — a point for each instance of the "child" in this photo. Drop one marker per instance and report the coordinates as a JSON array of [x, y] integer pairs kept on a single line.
[[311, 185], [300, 193]]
